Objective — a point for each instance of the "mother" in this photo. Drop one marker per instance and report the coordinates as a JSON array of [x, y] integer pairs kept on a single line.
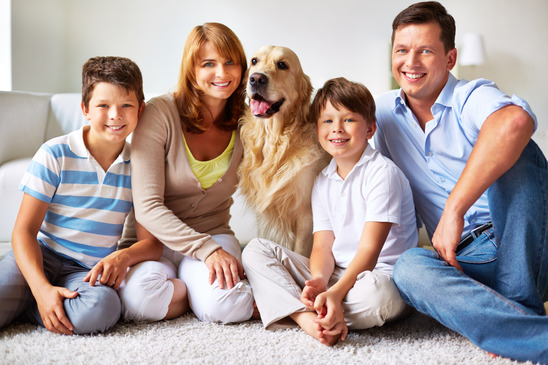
[[185, 155]]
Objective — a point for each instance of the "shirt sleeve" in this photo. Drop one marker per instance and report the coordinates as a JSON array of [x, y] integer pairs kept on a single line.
[[382, 193], [478, 99], [320, 216], [42, 177]]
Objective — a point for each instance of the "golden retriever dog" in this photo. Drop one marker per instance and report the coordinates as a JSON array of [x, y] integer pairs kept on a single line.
[[281, 154]]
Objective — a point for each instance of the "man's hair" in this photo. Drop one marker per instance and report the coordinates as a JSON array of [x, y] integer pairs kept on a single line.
[[341, 92], [118, 71], [187, 95], [428, 12]]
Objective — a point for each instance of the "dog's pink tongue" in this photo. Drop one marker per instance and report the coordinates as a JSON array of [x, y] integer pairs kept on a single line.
[[259, 107]]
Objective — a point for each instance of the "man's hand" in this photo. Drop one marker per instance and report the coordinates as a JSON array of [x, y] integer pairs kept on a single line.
[[447, 236], [312, 289], [112, 270], [50, 305], [225, 268]]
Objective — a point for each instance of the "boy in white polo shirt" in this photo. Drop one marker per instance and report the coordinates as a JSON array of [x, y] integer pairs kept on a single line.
[[364, 219], [77, 194]]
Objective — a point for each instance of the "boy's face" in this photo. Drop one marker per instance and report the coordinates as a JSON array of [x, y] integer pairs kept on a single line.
[[343, 134], [113, 113], [420, 64]]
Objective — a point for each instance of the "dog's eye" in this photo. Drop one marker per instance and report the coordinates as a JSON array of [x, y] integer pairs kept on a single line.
[[282, 65], [254, 61]]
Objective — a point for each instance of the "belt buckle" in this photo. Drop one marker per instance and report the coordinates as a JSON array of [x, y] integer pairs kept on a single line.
[[470, 237]]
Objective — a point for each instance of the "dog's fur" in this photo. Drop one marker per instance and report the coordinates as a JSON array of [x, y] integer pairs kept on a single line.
[[281, 154]]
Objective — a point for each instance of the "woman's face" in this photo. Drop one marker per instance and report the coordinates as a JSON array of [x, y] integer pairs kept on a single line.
[[216, 76]]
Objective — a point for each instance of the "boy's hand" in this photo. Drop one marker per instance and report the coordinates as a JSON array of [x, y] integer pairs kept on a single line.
[[225, 268], [50, 305], [112, 269], [328, 305], [312, 289]]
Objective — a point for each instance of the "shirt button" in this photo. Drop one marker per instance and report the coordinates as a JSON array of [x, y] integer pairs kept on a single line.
[[192, 206], [203, 192], [430, 154]]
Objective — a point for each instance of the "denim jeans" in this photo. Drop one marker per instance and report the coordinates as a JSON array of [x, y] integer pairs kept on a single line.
[[497, 302], [95, 309]]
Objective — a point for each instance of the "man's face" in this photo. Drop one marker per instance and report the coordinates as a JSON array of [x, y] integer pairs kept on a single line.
[[419, 62]]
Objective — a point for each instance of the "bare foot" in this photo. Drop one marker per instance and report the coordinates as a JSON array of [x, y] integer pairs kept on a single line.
[[256, 314], [305, 320]]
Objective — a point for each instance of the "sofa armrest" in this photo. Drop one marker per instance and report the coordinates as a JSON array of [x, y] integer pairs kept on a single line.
[[11, 174]]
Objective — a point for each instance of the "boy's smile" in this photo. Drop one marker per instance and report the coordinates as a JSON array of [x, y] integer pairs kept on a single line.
[[343, 134]]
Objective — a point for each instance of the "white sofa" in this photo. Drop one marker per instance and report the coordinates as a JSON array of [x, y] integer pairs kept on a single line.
[[29, 119]]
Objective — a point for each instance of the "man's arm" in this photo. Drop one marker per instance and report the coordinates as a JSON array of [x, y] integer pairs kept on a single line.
[[500, 143]]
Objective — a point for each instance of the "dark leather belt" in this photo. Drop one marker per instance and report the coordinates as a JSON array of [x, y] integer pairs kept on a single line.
[[470, 237]]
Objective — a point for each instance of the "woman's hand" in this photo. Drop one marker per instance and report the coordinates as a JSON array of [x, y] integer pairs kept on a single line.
[[225, 268]]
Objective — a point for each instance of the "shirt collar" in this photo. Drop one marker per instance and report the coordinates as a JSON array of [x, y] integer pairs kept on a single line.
[[444, 98], [330, 171], [78, 146]]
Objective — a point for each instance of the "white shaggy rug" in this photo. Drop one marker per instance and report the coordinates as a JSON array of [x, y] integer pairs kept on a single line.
[[415, 340]]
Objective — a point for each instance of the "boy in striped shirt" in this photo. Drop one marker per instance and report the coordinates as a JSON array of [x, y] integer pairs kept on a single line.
[[77, 194]]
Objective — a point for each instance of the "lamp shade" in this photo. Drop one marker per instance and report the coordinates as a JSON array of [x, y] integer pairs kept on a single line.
[[472, 50]]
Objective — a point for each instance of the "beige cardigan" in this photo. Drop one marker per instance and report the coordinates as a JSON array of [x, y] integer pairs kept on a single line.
[[169, 201]]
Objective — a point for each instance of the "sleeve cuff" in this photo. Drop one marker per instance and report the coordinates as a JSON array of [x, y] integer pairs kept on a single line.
[[207, 249]]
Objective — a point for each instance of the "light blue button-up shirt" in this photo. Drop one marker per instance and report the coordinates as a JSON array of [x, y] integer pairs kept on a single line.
[[434, 159]]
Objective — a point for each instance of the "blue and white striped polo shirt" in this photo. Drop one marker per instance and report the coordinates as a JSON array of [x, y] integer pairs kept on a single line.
[[87, 206]]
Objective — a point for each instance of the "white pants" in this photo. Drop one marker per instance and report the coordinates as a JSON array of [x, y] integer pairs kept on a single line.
[[277, 276], [147, 291]]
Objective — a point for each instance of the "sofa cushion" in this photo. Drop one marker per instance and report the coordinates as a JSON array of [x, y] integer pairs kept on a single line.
[[65, 115], [23, 119]]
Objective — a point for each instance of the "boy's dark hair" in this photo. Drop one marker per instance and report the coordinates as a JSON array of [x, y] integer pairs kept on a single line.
[[118, 71], [428, 12], [341, 92]]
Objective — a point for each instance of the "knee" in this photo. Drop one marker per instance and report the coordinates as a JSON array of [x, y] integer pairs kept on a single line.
[[225, 306], [255, 251], [410, 268], [147, 293], [94, 310]]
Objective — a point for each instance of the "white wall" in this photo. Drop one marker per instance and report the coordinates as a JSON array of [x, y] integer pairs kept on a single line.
[[5, 44], [53, 38]]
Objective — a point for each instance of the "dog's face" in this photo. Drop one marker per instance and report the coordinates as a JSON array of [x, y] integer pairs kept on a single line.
[[276, 82]]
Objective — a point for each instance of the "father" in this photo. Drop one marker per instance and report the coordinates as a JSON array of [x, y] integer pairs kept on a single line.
[[480, 186]]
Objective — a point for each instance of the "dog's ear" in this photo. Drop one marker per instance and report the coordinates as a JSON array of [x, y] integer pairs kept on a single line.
[[245, 78], [306, 88]]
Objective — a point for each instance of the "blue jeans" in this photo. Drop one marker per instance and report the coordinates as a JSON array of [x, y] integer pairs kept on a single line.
[[497, 302], [95, 309]]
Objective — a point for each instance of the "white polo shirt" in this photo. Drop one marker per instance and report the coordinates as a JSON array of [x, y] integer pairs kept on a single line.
[[374, 191], [87, 206]]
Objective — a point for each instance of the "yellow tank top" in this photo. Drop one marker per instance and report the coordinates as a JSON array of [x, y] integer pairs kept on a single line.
[[208, 172]]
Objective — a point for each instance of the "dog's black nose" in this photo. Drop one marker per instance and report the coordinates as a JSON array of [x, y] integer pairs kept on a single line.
[[258, 79]]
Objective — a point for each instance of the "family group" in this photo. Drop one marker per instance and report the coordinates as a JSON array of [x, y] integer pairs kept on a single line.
[[101, 235]]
